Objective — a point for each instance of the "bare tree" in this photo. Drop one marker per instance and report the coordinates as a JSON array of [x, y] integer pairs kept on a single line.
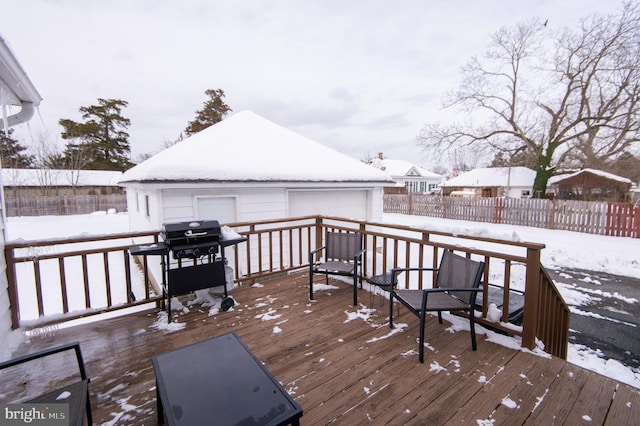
[[50, 160], [44, 152], [565, 98]]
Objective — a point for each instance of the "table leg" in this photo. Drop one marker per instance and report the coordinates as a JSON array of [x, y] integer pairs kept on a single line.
[[159, 407]]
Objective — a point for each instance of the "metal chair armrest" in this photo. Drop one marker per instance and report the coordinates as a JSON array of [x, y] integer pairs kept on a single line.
[[41, 354], [358, 255], [312, 252]]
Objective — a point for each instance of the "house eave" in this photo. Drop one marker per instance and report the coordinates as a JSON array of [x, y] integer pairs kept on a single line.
[[256, 182], [21, 91]]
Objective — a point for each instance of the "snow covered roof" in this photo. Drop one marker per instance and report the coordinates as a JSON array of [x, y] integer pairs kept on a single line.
[[494, 176], [555, 179], [246, 147], [58, 177], [397, 168]]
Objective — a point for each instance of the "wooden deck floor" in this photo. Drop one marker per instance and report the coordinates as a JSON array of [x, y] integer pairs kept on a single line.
[[342, 365]]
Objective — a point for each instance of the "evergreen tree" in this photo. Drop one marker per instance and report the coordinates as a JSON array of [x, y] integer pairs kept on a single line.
[[213, 112], [12, 154], [102, 140]]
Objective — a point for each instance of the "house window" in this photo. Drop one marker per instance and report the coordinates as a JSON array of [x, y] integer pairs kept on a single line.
[[137, 201], [526, 193], [146, 206]]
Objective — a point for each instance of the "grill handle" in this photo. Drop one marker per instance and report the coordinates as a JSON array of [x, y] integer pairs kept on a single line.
[[190, 233]]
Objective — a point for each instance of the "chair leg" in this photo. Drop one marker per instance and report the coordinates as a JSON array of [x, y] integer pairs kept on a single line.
[[421, 340], [472, 326], [310, 282], [355, 291], [88, 408], [390, 310]]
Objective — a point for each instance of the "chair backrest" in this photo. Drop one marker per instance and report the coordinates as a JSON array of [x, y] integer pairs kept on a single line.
[[459, 272], [343, 245]]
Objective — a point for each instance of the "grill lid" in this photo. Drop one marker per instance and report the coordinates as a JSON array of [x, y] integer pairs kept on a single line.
[[191, 232]]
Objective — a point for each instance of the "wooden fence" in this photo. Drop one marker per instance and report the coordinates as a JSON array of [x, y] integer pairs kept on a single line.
[[602, 218], [64, 204]]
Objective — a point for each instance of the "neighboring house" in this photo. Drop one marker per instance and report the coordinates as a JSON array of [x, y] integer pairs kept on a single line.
[[53, 182], [413, 178], [16, 90], [246, 168], [590, 185], [513, 182]]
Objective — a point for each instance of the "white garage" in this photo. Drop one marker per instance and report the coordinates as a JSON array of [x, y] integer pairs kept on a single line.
[[247, 168]]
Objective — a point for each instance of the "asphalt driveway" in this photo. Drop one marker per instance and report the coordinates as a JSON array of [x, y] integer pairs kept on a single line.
[[605, 312]]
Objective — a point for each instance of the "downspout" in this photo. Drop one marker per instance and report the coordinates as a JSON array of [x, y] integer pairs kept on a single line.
[[24, 115]]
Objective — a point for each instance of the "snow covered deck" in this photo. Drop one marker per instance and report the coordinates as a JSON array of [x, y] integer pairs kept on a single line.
[[344, 364]]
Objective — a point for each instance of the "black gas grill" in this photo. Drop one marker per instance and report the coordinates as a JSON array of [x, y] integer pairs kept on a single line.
[[191, 240], [197, 240]]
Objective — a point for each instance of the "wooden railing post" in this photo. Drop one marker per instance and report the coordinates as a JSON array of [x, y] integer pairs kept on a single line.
[[319, 229], [11, 288], [363, 231], [531, 299]]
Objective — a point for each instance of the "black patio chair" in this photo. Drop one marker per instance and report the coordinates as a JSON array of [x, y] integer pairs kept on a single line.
[[457, 284], [75, 393], [342, 255]]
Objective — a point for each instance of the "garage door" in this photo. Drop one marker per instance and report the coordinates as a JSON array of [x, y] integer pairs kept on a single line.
[[353, 204]]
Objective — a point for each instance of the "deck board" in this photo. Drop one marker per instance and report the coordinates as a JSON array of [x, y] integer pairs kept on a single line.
[[344, 365]]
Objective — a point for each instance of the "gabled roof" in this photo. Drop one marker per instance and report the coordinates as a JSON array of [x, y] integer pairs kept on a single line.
[[55, 177], [246, 147], [494, 177], [399, 168], [556, 179]]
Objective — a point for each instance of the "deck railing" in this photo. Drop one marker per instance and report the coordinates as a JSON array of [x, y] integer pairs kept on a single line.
[[281, 246]]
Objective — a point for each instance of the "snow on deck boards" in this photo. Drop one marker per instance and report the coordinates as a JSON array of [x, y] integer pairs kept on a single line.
[[345, 365]]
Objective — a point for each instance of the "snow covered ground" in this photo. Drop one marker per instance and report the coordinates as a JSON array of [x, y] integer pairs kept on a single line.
[[620, 256]]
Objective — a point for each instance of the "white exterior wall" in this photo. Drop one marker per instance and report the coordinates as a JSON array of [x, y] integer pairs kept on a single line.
[[513, 192], [516, 192], [180, 204], [377, 207], [253, 202], [5, 308], [139, 219]]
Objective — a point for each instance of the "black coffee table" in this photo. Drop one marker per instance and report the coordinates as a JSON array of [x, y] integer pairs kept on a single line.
[[220, 381]]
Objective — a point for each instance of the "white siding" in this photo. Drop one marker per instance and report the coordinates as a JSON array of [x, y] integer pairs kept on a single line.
[[252, 203], [178, 203], [352, 204], [5, 312], [516, 192], [138, 199]]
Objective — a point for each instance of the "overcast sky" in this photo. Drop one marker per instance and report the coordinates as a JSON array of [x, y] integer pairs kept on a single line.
[[360, 76]]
